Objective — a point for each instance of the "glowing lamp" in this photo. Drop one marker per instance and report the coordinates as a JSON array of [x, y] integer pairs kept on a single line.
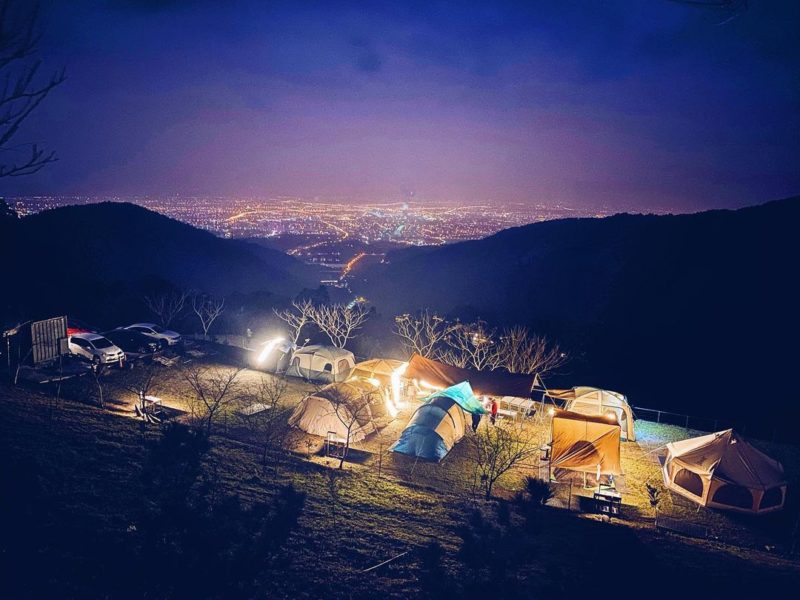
[[267, 349]]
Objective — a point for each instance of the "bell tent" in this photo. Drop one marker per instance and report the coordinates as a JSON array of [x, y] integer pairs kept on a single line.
[[339, 406], [585, 443], [721, 470], [321, 363], [594, 401], [437, 425]]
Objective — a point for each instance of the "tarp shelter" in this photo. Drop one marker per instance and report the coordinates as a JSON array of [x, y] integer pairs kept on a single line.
[[433, 430], [584, 442], [594, 401], [379, 369], [484, 383], [321, 363], [722, 470], [334, 408], [462, 395]]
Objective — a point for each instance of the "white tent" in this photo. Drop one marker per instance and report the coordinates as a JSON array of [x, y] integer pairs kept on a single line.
[[587, 400], [337, 407], [722, 470], [321, 363]]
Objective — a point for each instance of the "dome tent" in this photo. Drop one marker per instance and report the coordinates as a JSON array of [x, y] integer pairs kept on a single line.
[[585, 443], [437, 425], [722, 470], [321, 363], [594, 401], [337, 407]]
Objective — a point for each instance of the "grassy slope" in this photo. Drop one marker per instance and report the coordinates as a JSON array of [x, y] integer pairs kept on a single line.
[[89, 460]]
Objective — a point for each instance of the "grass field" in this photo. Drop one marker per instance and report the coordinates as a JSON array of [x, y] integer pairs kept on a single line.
[[90, 463]]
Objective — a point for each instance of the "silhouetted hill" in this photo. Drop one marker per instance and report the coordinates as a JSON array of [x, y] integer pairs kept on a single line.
[[689, 312], [80, 259]]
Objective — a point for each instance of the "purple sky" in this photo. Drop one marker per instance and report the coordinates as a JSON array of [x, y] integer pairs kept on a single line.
[[633, 104]]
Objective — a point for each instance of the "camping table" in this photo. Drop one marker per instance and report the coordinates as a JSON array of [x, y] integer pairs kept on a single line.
[[510, 414], [152, 404], [608, 502]]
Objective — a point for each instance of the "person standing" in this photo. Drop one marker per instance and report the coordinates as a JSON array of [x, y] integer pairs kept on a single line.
[[476, 420], [494, 412]]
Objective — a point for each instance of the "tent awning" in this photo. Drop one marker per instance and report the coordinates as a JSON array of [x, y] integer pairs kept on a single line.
[[462, 395], [488, 383]]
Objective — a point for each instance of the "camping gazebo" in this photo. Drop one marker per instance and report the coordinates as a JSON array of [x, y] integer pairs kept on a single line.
[[722, 470]]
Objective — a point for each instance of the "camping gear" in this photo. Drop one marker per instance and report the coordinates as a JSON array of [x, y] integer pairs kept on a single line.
[[433, 430], [722, 470], [339, 406], [585, 443], [321, 363], [594, 401], [433, 374]]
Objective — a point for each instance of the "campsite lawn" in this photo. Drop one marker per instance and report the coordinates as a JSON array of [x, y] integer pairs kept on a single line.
[[91, 458]]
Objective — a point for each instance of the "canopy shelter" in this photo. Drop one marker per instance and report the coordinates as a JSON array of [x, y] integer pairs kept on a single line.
[[585, 443], [594, 401], [484, 383], [722, 470], [377, 369], [321, 363], [462, 395], [433, 430], [339, 406]]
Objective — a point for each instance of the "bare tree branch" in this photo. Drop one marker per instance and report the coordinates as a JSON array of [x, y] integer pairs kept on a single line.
[[339, 322], [167, 305], [520, 351], [213, 389], [296, 318], [423, 333], [208, 309], [21, 92]]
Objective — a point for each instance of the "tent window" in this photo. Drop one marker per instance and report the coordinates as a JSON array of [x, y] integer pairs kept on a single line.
[[296, 361], [734, 495], [328, 367], [689, 481], [771, 498], [342, 366]]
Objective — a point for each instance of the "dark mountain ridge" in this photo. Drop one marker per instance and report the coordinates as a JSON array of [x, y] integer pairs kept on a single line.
[[691, 313], [78, 258]]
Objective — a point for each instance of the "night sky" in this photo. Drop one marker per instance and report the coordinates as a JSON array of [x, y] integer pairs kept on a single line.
[[640, 104]]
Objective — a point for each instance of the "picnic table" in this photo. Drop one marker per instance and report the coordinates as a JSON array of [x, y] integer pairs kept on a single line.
[[522, 406], [254, 409]]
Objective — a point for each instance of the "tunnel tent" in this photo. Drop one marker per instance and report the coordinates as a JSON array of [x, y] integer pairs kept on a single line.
[[435, 374], [434, 428], [462, 395], [337, 405], [585, 442], [595, 401], [321, 363], [722, 470]]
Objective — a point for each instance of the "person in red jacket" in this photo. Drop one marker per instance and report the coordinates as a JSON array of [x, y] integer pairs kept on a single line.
[[494, 411]]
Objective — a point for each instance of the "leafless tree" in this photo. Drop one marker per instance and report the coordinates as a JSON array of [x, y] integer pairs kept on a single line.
[[339, 322], [208, 309], [270, 422], [520, 351], [141, 381], [500, 448], [213, 390], [471, 346], [296, 318], [422, 333], [352, 410], [23, 90], [166, 305]]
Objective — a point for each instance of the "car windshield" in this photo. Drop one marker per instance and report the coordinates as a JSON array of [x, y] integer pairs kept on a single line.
[[101, 343], [157, 329]]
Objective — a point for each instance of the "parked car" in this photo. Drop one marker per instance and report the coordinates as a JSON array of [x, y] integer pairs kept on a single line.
[[135, 344], [156, 331], [94, 347]]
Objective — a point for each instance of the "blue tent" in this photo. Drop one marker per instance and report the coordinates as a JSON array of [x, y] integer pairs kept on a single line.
[[436, 426]]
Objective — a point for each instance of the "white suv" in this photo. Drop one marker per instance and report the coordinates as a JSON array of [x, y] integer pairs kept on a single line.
[[171, 337], [95, 348]]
